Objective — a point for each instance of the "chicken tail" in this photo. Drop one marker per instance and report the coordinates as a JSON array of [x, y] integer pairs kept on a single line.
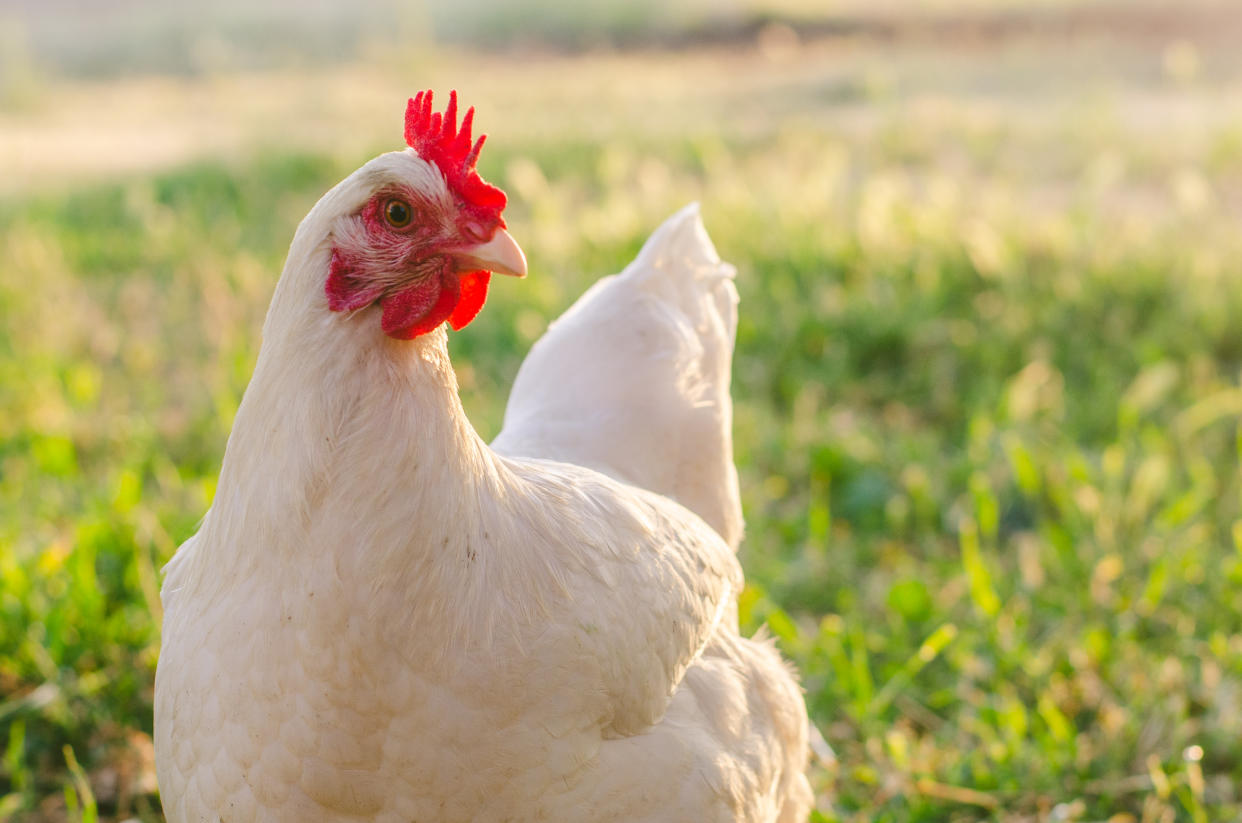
[[633, 380]]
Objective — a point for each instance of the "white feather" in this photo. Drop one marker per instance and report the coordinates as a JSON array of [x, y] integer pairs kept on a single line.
[[633, 380], [383, 619]]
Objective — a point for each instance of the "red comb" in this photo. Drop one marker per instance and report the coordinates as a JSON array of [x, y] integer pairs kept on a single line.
[[437, 139]]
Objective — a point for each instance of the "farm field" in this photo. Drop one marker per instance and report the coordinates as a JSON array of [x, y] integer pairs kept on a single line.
[[988, 378]]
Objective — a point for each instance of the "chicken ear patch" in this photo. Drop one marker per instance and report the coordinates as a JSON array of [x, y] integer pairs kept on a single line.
[[473, 293], [346, 287]]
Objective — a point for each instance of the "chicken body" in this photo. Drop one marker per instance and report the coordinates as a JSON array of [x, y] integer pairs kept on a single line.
[[383, 618]]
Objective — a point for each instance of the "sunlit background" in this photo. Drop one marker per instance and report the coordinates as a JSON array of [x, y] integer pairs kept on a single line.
[[987, 379]]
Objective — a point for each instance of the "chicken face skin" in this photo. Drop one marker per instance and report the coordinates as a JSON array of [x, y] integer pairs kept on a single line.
[[399, 250]]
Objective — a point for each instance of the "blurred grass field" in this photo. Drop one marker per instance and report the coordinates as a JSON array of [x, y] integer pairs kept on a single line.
[[988, 378]]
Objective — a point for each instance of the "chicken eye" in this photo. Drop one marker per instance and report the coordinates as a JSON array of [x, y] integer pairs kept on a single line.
[[398, 213]]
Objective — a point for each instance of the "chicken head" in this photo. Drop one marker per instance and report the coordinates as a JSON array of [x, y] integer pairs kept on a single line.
[[424, 246]]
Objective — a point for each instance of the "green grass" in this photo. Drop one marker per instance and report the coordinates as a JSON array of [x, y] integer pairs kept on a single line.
[[988, 396]]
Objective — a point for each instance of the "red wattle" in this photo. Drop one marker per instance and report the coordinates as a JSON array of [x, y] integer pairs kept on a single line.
[[473, 293], [420, 308]]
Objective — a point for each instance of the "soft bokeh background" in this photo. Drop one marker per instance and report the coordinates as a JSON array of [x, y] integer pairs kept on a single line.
[[987, 378]]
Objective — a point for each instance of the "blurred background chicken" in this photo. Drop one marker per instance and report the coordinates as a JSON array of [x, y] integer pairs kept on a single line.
[[382, 618]]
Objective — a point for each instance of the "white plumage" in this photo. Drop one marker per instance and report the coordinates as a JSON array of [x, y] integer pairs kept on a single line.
[[633, 380], [383, 618]]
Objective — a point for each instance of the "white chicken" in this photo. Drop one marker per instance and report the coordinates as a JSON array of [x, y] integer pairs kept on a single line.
[[383, 618]]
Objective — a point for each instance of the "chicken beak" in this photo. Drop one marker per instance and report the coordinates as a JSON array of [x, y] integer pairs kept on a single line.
[[501, 255]]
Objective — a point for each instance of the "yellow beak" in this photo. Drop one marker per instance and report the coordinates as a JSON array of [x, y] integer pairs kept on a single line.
[[501, 255]]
